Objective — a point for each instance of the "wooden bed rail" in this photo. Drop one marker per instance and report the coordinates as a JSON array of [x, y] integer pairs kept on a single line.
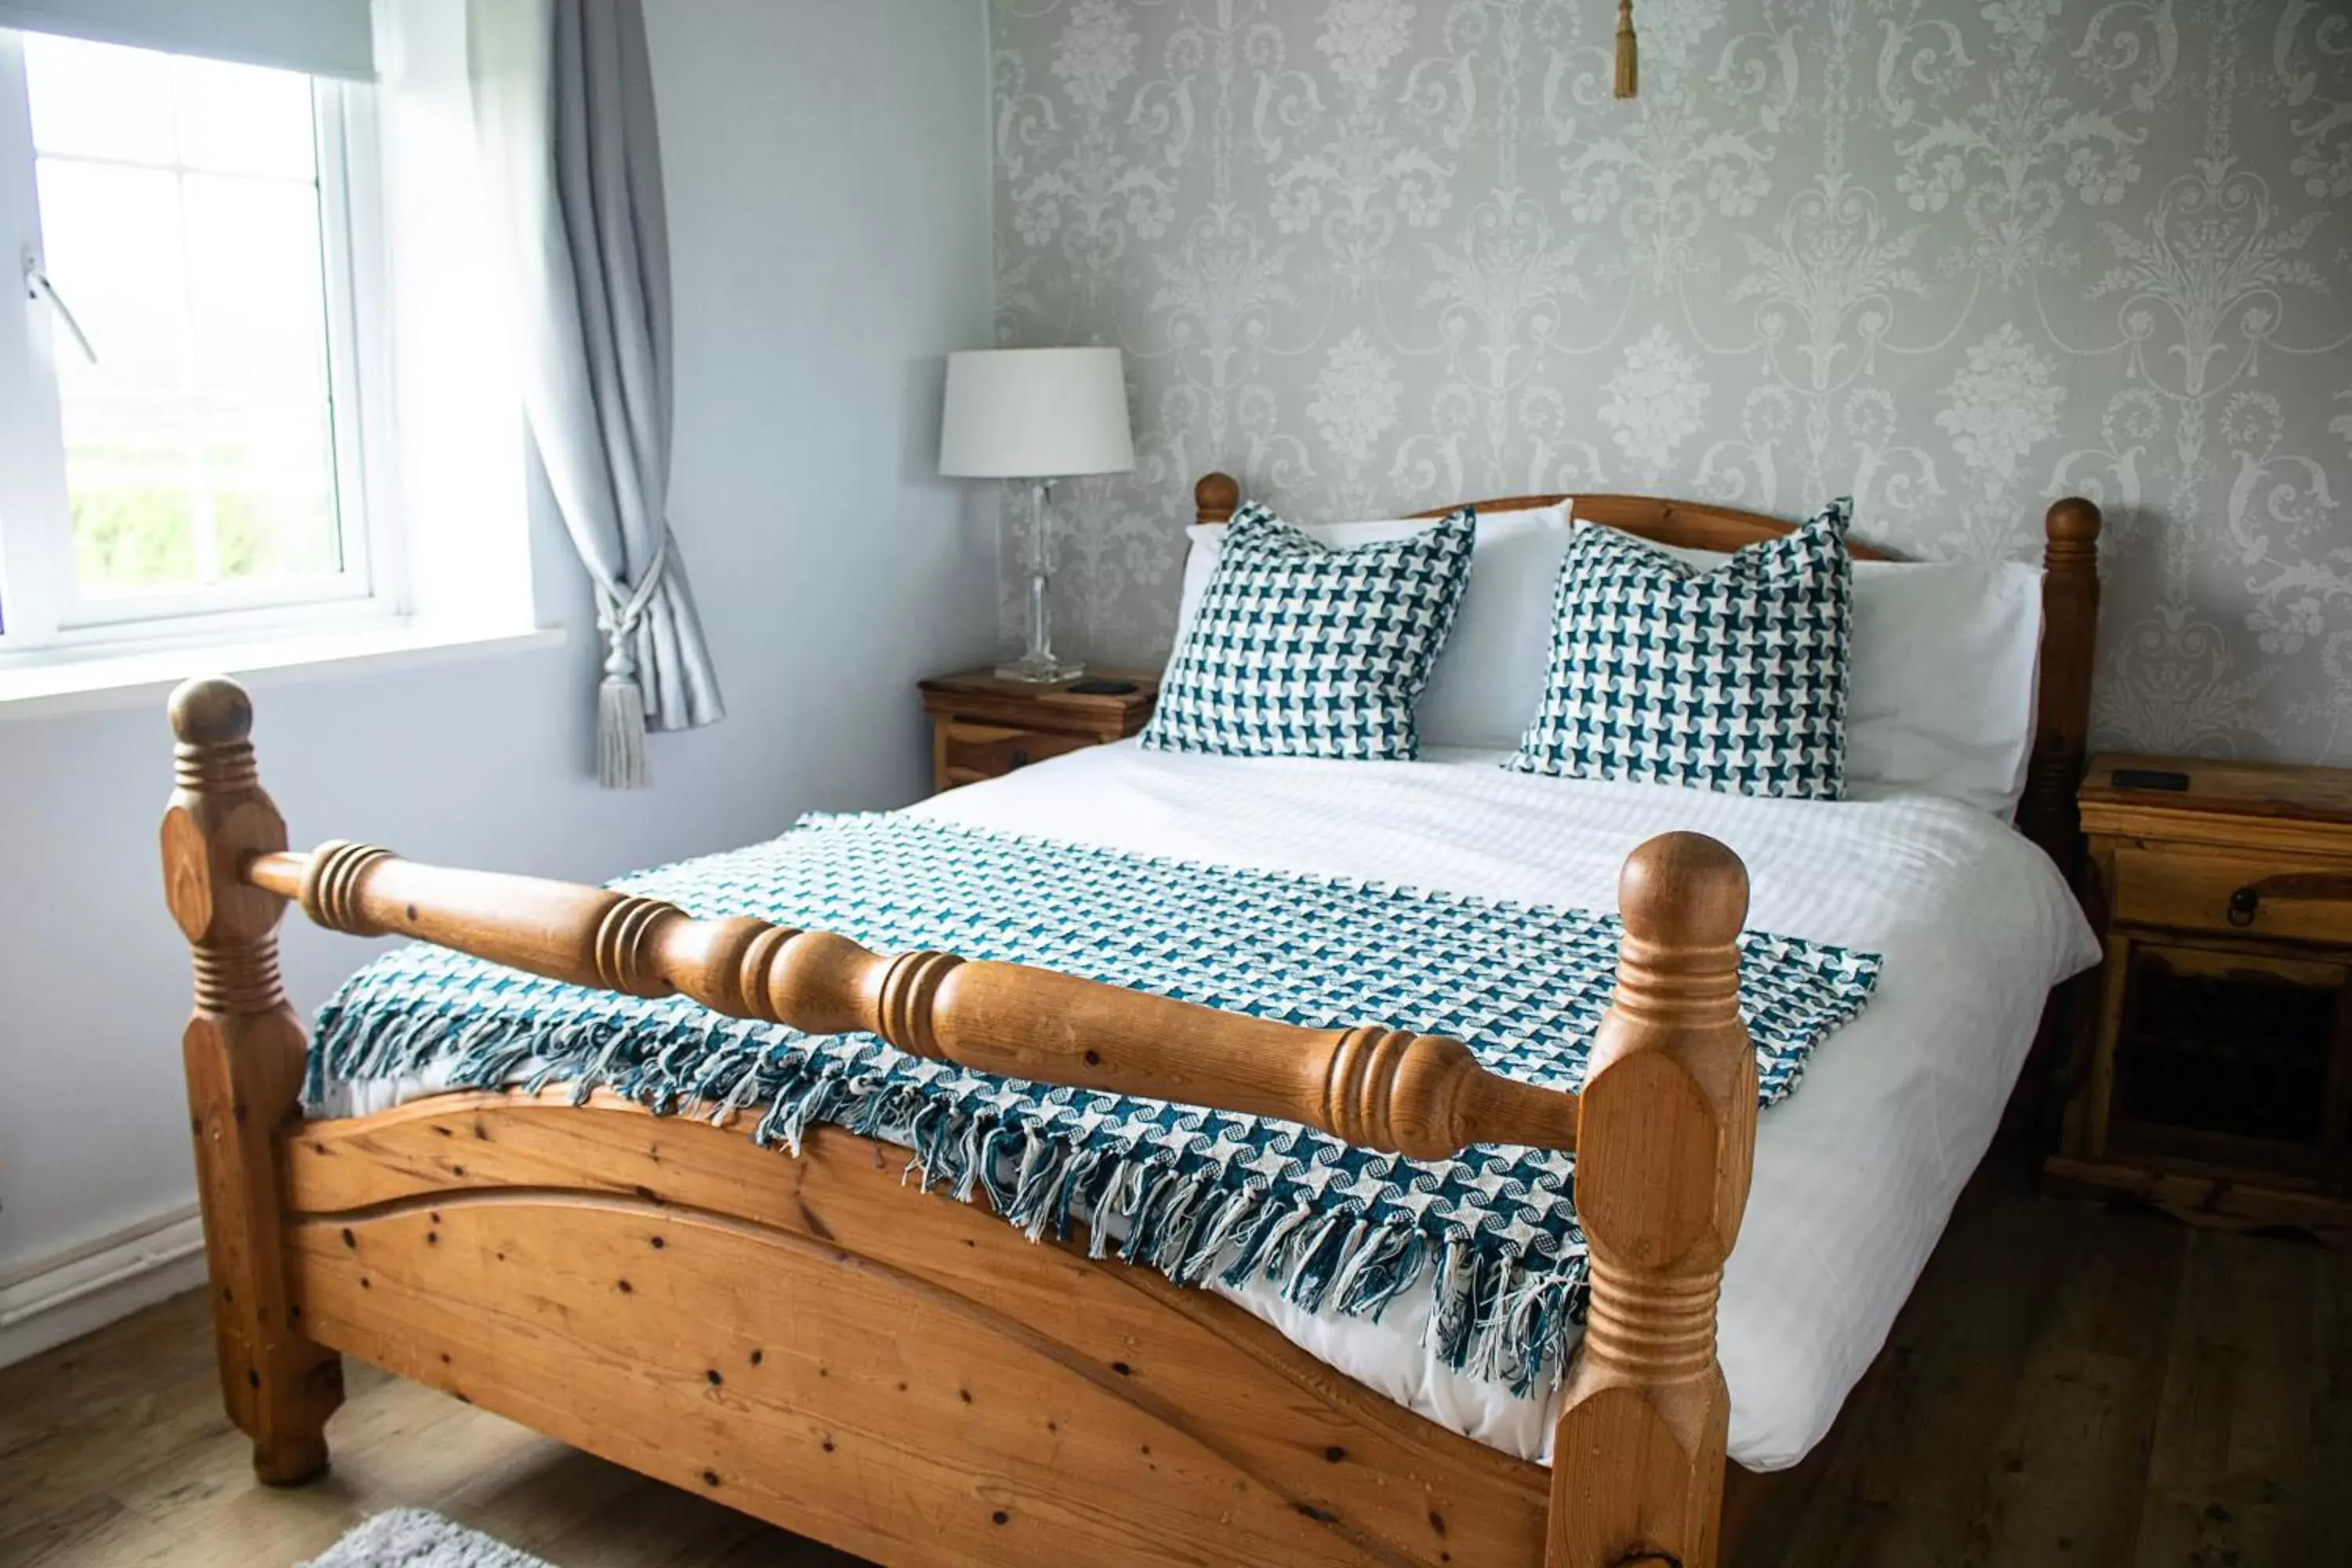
[[1422, 1095], [1664, 1128]]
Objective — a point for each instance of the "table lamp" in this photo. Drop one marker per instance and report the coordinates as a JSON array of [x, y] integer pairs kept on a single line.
[[1038, 415]]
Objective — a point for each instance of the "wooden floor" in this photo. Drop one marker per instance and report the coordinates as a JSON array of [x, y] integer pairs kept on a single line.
[[2068, 1386]]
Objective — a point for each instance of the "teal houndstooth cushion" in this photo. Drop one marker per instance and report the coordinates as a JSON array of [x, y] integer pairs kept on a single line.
[[1301, 650], [1732, 680]]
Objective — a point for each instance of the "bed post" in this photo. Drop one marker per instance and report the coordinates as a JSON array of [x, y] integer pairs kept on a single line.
[[2069, 633], [1214, 500], [243, 1051], [1667, 1133], [2048, 813]]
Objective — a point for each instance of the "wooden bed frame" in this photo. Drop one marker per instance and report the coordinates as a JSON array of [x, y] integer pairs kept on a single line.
[[906, 1377]]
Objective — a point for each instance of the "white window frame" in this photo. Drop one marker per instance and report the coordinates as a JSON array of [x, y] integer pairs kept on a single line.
[[46, 615]]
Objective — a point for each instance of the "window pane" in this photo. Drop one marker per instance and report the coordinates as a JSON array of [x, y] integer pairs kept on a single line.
[[242, 120], [130, 466], [255, 286], [114, 248], [96, 100], [270, 470]]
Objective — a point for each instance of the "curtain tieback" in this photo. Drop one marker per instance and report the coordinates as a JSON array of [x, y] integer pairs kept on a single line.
[[620, 699]]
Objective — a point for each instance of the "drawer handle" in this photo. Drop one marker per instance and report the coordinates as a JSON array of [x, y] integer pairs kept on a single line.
[[1020, 760], [2314, 887]]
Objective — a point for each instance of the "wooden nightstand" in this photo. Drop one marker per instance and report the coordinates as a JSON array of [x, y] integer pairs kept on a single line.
[[2216, 1079], [982, 727]]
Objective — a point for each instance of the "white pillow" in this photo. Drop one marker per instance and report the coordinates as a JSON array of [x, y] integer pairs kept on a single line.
[[1945, 662], [1947, 666], [1489, 676]]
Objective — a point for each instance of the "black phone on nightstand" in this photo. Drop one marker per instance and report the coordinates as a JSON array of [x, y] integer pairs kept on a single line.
[[2151, 778]]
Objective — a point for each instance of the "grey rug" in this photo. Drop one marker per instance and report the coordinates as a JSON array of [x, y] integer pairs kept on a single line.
[[412, 1538]]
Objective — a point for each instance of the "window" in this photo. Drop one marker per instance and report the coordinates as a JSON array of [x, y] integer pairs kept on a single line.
[[181, 441]]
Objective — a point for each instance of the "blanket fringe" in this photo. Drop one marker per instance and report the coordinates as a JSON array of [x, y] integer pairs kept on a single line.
[[1497, 1316]]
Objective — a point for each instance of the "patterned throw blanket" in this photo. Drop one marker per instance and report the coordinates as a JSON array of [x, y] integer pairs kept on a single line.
[[1192, 1193]]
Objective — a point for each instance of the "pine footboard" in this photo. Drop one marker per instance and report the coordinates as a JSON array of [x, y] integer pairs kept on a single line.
[[903, 1376]]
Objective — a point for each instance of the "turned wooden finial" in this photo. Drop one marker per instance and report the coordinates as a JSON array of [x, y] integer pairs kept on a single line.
[[2073, 520], [1215, 499], [1685, 890], [211, 711], [1662, 1162]]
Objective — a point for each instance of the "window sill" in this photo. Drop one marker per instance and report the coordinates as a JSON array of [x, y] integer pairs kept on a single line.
[[143, 677]]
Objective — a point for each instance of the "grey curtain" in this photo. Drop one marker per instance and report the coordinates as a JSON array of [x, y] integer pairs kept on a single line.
[[563, 105]]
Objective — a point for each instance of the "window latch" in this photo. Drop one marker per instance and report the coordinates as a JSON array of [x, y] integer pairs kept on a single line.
[[38, 286]]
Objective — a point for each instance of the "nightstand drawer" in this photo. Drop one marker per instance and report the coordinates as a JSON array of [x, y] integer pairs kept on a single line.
[[970, 752], [984, 726], [2232, 896]]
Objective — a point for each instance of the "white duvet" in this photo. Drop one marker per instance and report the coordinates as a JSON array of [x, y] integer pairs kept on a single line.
[[1855, 1173]]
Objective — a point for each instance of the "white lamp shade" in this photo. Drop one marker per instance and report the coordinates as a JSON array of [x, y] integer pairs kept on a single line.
[[1035, 414]]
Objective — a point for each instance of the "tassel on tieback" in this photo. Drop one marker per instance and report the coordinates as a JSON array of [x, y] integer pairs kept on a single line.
[[621, 698], [621, 733], [1627, 61]]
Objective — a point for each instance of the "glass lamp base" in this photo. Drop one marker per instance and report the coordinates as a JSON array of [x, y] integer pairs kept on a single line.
[[1040, 669]]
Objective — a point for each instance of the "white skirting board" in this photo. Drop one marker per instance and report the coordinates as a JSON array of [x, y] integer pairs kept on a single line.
[[56, 1299]]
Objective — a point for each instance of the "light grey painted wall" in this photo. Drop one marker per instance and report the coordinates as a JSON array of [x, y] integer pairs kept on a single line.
[[827, 170], [1956, 258]]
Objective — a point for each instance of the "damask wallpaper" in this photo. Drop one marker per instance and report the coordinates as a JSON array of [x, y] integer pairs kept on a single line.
[[1955, 258]]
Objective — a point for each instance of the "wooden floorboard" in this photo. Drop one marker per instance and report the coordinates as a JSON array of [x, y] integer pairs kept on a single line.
[[2068, 1386], [1912, 1469]]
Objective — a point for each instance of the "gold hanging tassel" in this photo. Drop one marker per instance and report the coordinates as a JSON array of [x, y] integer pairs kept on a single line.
[[1628, 65]]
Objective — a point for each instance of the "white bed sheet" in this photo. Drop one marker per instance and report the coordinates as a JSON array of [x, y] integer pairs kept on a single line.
[[1855, 1173]]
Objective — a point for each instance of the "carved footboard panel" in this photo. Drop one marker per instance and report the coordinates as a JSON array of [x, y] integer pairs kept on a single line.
[[905, 1377]]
